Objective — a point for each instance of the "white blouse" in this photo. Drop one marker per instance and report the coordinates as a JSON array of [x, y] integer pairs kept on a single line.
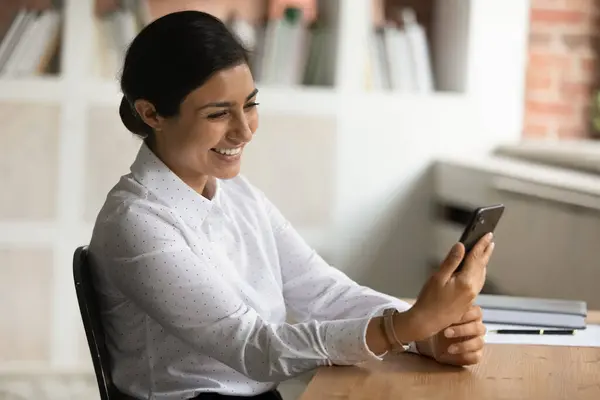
[[195, 293]]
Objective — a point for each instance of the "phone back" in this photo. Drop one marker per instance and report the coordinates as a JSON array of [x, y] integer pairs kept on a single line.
[[483, 221]]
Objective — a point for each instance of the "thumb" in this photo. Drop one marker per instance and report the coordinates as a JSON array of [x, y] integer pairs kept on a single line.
[[452, 261]]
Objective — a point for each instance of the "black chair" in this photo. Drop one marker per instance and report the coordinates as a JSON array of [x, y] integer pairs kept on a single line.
[[90, 315]]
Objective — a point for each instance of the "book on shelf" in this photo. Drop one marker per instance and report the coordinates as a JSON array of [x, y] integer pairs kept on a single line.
[[116, 28], [29, 42], [399, 55], [287, 51], [284, 51]]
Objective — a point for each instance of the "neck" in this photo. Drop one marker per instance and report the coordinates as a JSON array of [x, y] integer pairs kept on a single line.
[[204, 185]]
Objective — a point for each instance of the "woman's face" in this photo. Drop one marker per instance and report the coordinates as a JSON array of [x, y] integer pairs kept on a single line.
[[214, 124]]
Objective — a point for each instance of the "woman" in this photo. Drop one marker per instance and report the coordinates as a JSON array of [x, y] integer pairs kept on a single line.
[[197, 271]]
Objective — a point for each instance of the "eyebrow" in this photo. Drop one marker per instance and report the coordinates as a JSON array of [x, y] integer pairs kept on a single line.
[[227, 103]]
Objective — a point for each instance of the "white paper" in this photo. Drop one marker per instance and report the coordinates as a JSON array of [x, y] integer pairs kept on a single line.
[[586, 337]]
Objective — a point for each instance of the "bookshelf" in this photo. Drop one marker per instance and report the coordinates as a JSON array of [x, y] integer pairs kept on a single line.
[[354, 153], [35, 89], [345, 60], [340, 58], [31, 39]]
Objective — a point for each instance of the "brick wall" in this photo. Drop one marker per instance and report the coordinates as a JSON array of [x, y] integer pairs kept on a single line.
[[562, 71]]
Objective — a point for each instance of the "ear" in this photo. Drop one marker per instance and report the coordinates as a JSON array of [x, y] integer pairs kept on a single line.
[[148, 114]]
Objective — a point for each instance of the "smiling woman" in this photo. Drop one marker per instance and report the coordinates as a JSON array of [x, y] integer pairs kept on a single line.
[[198, 271], [195, 110]]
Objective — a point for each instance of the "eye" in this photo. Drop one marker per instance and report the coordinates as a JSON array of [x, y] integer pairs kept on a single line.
[[250, 105], [217, 115]]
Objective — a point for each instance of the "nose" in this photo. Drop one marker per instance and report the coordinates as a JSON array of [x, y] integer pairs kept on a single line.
[[243, 131]]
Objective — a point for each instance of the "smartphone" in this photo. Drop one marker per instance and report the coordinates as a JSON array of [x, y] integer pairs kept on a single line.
[[483, 221]]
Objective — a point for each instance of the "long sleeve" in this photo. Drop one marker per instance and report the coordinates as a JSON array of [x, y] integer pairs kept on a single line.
[[315, 290], [149, 260]]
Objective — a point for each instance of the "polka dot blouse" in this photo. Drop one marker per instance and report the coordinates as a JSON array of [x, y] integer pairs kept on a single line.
[[197, 294]]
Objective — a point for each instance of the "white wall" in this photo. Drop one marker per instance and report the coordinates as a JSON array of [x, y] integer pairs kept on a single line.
[[387, 142], [496, 71]]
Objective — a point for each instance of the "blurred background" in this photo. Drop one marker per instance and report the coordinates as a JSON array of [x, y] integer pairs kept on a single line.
[[383, 124]]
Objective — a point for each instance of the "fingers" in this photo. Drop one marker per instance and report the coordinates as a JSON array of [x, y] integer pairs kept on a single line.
[[472, 276], [474, 314], [452, 261], [465, 359], [462, 344], [468, 346], [488, 252], [479, 256], [475, 328]]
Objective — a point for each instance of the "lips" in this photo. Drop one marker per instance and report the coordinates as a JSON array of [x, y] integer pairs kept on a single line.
[[228, 151]]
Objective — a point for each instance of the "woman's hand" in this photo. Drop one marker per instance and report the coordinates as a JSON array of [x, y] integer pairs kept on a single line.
[[448, 295], [459, 344]]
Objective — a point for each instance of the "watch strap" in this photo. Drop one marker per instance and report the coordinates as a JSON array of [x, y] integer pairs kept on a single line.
[[390, 333]]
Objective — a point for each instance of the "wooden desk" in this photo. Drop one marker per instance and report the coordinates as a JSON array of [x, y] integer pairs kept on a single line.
[[507, 372], [593, 317]]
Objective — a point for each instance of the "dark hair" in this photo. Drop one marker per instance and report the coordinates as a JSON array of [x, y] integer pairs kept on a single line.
[[171, 57]]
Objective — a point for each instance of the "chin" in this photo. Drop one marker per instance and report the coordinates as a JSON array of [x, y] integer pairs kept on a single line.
[[225, 167], [228, 173]]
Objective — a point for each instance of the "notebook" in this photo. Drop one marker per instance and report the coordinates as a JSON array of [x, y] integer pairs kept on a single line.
[[529, 311]]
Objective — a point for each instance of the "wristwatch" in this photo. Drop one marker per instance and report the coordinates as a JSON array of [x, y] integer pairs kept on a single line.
[[390, 332]]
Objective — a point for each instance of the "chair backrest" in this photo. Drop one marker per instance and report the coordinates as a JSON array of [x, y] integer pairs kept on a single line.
[[90, 315]]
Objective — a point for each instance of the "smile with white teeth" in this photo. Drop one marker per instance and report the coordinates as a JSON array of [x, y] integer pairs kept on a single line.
[[229, 152]]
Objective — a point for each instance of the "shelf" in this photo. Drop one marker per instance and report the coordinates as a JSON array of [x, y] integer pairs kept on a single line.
[[103, 92], [281, 50], [580, 155], [390, 103], [302, 99], [434, 51], [306, 100], [438, 96], [584, 185], [38, 89]]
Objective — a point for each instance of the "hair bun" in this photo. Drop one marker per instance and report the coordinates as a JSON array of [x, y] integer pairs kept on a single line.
[[131, 120]]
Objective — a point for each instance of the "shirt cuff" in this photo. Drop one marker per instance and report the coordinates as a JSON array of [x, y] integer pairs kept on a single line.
[[345, 341], [401, 306]]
